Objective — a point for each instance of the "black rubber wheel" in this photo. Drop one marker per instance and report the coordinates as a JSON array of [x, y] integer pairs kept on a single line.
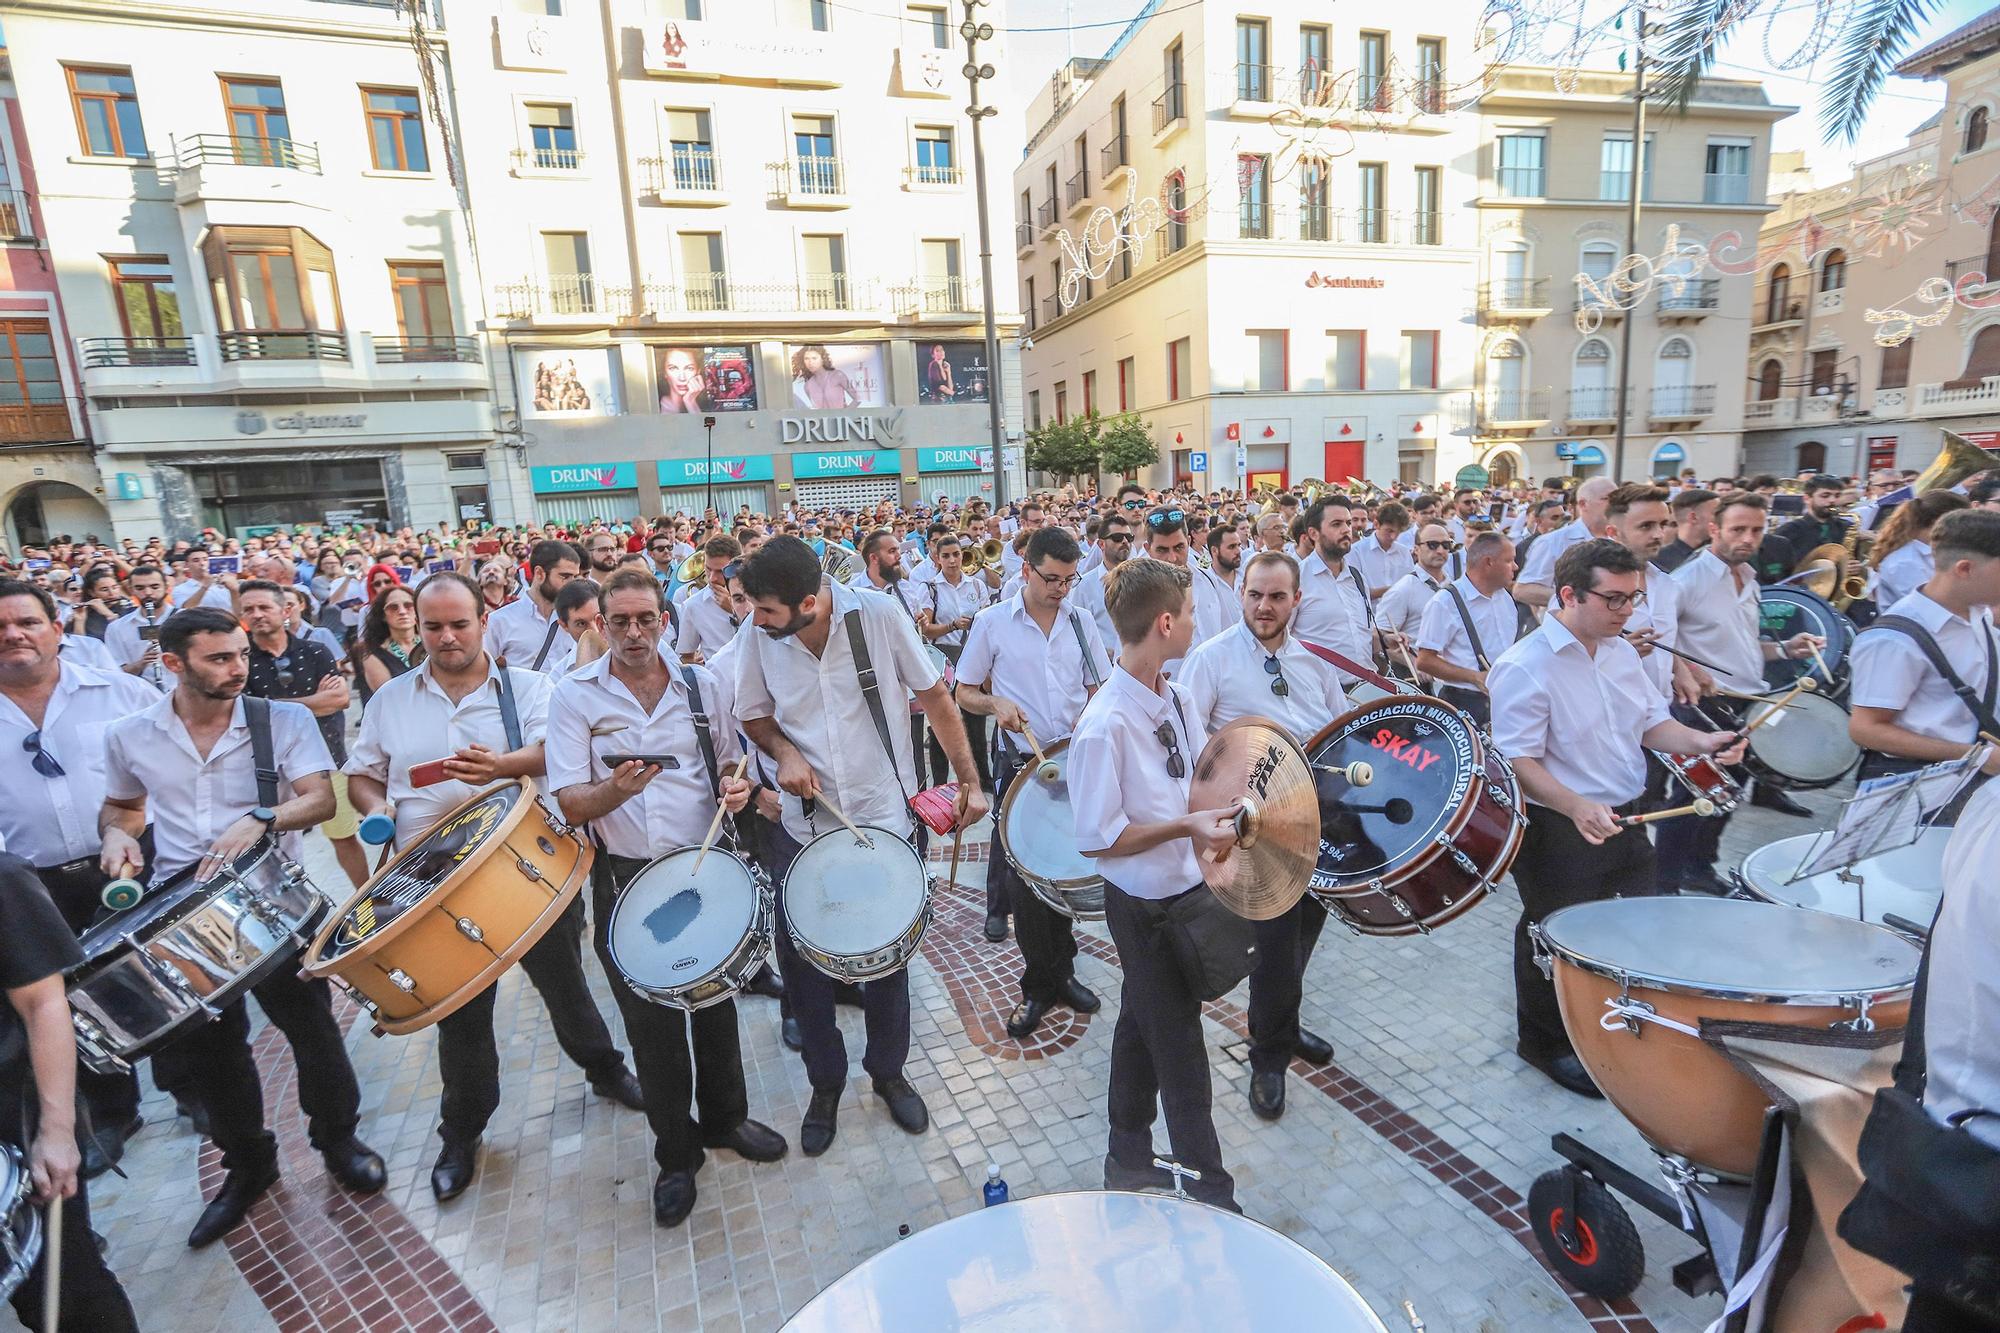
[[1609, 1258]]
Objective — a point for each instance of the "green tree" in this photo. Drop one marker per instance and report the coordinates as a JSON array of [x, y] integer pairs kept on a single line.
[[1127, 445], [1069, 448]]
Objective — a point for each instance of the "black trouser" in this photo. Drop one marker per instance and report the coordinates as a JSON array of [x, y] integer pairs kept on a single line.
[[659, 1033], [92, 1300], [1936, 1312], [214, 1063], [1046, 936], [885, 1004], [1284, 947], [1691, 844], [1473, 703], [76, 887], [1556, 868], [468, 1060], [1158, 1055]]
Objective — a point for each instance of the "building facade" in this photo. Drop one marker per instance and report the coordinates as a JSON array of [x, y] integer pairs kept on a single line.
[[1876, 324], [266, 269], [763, 219]]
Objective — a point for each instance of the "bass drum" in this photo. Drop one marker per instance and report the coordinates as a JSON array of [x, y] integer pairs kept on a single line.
[[1788, 610], [1906, 882], [20, 1221]]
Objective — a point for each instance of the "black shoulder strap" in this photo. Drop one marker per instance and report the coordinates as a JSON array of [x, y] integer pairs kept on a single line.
[[871, 689], [510, 713], [1361, 583], [1471, 632], [257, 716], [702, 734], [548, 640], [1091, 675], [1981, 709]]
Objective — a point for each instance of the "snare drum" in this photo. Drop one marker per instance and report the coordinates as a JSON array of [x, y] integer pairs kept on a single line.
[[1786, 610], [857, 908], [691, 938], [1637, 977], [1703, 777], [185, 952], [20, 1221], [1907, 882], [441, 921], [1036, 830], [1805, 747], [1423, 841]]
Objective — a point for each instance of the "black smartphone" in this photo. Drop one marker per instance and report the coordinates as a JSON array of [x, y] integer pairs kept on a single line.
[[1496, 511], [612, 761]]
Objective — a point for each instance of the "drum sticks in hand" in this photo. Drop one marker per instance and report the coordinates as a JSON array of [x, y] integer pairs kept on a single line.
[[1700, 806], [715, 824]]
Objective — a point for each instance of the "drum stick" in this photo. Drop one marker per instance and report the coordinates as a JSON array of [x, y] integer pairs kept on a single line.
[[1777, 706], [1028, 733], [1824, 670], [1700, 806], [957, 841], [859, 836], [1703, 663], [52, 1266], [1747, 697], [742, 762], [1403, 647]]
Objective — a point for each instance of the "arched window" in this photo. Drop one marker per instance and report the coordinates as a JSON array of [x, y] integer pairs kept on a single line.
[[1770, 378], [1598, 259], [1975, 130], [1896, 365], [1778, 295], [1673, 368], [1812, 456], [1506, 379], [1590, 390], [1833, 271]]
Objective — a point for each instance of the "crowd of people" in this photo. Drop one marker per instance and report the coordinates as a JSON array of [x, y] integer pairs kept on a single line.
[[793, 669]]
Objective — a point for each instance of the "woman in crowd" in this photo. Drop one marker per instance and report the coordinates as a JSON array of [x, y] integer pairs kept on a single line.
[[388, 645], [1902, 552]]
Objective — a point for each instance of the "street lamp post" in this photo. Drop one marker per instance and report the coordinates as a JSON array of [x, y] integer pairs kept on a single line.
[[975, 32], [708, 469], [1636, 181]]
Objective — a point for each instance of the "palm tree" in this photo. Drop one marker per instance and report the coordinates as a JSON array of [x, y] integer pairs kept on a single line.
[[1683, 47]]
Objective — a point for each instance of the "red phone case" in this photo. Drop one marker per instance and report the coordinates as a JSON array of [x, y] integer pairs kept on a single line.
[[427, 775]]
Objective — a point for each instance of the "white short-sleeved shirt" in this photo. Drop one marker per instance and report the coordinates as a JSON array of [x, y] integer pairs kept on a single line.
[[707, 623], [1581, 715], [1542, 555], [1443, 628], [86, 651], [1661, 613], [1903, 571], [675, 808], [216, 597], [518, 630], [1225, 679], [52, 820], [122, 640], [1719, 618], [1962, 1007], [191, 800], [1401, 609], [1333, 610], [411, 720], [1118, 776], [1891, 671], [1048, 675], [818, 704], [949, 601], [1382, 567]]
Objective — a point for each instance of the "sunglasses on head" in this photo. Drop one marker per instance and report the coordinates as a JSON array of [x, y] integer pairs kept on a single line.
[[1166, 518]]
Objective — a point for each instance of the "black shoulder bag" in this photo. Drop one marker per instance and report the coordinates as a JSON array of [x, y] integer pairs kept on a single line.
[[1212, 946]]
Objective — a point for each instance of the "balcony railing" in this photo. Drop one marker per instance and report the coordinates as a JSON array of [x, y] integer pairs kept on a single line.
[[1515, 294], [548, 159], [564, 294], [1682, 402], [1427, 96], [1374, 92], [1170, 106], [427, 348], [936, 296], [17, 218], [1253, 82], [1024, 235], [1077, 189], [1253, 219], [1051, 310], [1770, 411], [105, 353], [35, 423], [1045, 215], [1521, 182], [1355, 226], [934, 175], [1114, 155], [826, 291], [1942, 399], [1695, 296], [1315, 222], [1782, 311], [1987, 266], [232, 150], [1371, 226], [1597, 403], [282, 345], [1720, 187], [809, 177], [691, 168], [1605, 307], [711, 293], [1505, 406]]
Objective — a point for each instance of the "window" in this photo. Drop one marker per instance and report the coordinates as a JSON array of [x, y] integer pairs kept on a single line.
[[1128, 371], [1771, 379], [31, 391], [1728, 178], [1253, 186], [1371, 76], [1896, 365], [937, 164], [1420, 358], [1180, 369], [1833, 271], [1062, 402], [944, 285], [465, 462], [1315, 83], [107, 112], [423, 301], [1590, 389], [552, 137], [817, 170], [1425, 228], [1822, 371], [572, 281], [395, 129], [1270, 347], [1089, 392], [826, 272], [1079, 183], [1117, 153], [1993, 247], [1169, 107], [1519, 160], [1253, 60], [1975, 130], [931, 20], [1430, 74], [1597, 261], [148, 305], [1347, 360], [1028, 304], [1177, 211], [1314, 215], [691, 149], [818, 15], [1034, 409], [259, 130], [704, 273], [1614, 168], [1778, 295], [1373, 222], [270, 280]]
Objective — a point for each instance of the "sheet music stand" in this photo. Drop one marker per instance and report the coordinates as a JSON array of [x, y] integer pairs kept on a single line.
[[1880, 817]]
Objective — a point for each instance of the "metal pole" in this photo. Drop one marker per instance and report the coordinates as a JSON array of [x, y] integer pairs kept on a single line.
[[708, 468], [974, 32], [1633, 189]]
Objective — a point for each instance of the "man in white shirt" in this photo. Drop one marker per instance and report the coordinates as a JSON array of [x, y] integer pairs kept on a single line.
[[1214, 601], [1114, 542], [189, 759], [1130, 764], [637, 812], [456, 708], [1257, 668], [1381, 555], [1574, 712], [800, 697], [133, 638], [1033, 662], [1466, 506], [1225, 555], [525, 632], [201, 588], [1399, 612], [945, 604], [1536, 582], [1334, 610], [1468, 624], [707, 621]]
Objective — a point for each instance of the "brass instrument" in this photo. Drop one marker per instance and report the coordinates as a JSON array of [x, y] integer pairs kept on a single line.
[[1836, 561], [1853, 583], [988, 552], [1957, 460], [693, 569]]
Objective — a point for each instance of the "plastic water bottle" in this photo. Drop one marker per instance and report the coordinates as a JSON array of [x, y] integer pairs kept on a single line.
[[996, 1188]]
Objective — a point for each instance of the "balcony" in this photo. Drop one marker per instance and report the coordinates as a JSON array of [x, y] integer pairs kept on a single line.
[[933, 177], [1045, 216], [187, 367], [1952, 398], [1770, 412], [1603, 309], [1253, 220], [1051, 310], [104, 353], [689, 175], [1254, 83], [1695, 299], [1169, 110], [1514, 409], [1515, 298], [706, 295], [1427, 96], [1983, 270], [547, 161], [1780, 313], [564, 294], [1315, 222], [17, 217], [1681, 402], [282, 345], [1076, 192], [428, 349], [1829, 303], [1355, 226], [36, 423], [810, 182], [1595, 405], [935, 296], [1024, 236], [1113, 158], [229, 150], [217, 167], [1723, 188]]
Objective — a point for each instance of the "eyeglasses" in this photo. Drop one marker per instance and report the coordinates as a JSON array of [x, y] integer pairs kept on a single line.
[[619, 624], [1278, 686], [1133, 504], [1176, 766], [44, 762], [1437, 546], [1063, 581], [1166, 518], [1617, 601]]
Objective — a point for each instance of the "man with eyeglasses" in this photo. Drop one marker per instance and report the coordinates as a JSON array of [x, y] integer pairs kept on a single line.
[[1114, 544], [1256, 668], [1399, 612], [1575, 712], [1214, 601], [1468, 624], [1334, 609]]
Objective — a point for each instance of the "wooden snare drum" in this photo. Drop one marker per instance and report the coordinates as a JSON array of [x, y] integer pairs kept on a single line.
[[439, 923]]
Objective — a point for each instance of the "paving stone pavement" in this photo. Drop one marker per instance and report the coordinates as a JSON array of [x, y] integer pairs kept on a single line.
[[557, 1232]]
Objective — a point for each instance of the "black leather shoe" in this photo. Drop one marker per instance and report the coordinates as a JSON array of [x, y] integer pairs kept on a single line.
[[1768, 797], [1313, 1048], [906, 1108], [996, 927], [1118, 1176], [1079, 997], [456, 1165], [822, 1118], [623, 1088], [1027, 1016], [1267, 1094], [1567, 1072], [356, 1166], [1704, 880], [767, 983], [239, 1190], [788, 1032], [754, 1142], [673, 1198]]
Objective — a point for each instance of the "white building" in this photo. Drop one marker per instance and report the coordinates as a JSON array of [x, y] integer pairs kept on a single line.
[[262, 260], [1287, 275]]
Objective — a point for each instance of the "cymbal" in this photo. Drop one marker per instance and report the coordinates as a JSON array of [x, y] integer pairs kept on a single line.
[[1254, 763]]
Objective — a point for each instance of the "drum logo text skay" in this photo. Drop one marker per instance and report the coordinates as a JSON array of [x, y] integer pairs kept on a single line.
[[1416, 756]]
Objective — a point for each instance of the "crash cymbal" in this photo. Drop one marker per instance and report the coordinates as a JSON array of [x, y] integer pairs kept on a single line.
[[1254, 763]]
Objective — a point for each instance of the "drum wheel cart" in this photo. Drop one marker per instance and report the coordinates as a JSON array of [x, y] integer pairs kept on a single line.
[[1588, 1236]]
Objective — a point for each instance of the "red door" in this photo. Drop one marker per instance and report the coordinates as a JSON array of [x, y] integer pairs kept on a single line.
[[1344, 460]]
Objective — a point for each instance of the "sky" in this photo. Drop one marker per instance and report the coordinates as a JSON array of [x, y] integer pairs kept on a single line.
[[1902, 105]]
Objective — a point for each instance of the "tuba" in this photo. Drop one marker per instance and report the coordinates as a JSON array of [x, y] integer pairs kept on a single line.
[[693, 569], [1957, 460], [839, 563]]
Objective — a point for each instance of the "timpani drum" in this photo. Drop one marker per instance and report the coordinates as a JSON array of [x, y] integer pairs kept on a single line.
[[1804, 746], [441, 921], [1906, 882], [1036, 830], [692, 937], [856, 908], [1636, 979], [20, 1221], [1100, 1261]]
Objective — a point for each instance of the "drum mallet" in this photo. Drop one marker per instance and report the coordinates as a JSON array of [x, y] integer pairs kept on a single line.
[[123, 892], [1700, 806], [833, 809], [1358, 774], [52, 1265], [377, 828], [1778, 706], [1044, 770], [742, 762]]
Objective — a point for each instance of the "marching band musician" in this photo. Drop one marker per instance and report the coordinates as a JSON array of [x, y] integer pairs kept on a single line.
[[1399, 612], [1535, 587], [1382, 556], [1130, 764], [1214, 600], [1333, 595], [1035, 660], [640, 811], [525, 632], [1693, 508], [795, 688], [706, 619], [1225, 555], [190, 759], [955, 598], [1256, 668], [485, 725], [1575, 711], [133, 639], [1468, 622], [1114, 545], [1927, 674], [1638, 518]]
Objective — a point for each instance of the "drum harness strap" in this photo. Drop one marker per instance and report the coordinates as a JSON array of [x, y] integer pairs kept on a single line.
[[871, 690], [555, 627], [1982, 710], [1471, 632], [257, 717]]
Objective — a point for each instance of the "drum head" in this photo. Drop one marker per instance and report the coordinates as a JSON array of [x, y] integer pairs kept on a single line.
[[849, 898], [1906, 881], [1732, 948], [1037, 826], [1805, 741], [165, 899], [427, 863], [674, 925], [1425, 757], [1785, 611]]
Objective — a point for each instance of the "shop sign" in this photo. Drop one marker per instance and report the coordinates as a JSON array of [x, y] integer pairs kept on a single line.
[[729, 468], [585, 477], [252, 422], [840, 429], [867, 463], [965, 458]]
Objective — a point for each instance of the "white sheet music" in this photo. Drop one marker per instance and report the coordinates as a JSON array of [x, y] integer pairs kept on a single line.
[[1889, 812]]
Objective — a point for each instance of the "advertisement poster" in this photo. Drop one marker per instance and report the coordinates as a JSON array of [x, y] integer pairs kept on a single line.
[[951, 372], [567, 382], [708, 379], [832, 376]]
